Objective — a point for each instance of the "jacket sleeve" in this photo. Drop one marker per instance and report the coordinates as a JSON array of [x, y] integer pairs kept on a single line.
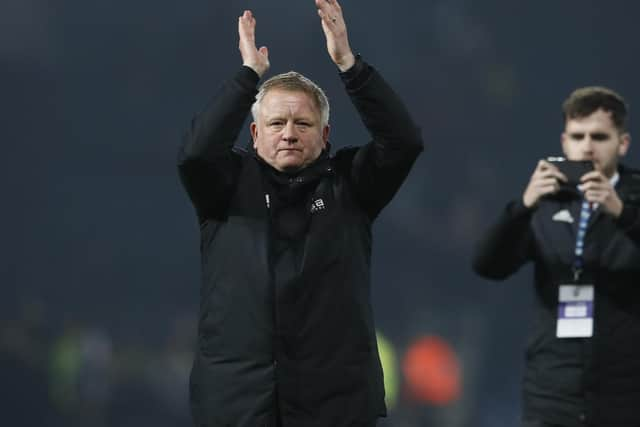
[[207, 164], [629, 222], [506, 245], [379, 168]]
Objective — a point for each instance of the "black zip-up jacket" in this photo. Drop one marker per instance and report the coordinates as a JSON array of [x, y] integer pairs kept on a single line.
[[577, 382], [286, 323]]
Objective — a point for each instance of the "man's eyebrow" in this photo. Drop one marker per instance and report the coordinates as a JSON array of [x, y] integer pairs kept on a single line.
[[599, 134]]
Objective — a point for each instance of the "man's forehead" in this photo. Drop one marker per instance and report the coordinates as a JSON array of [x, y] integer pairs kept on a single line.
[[599, 119], [288, 98]]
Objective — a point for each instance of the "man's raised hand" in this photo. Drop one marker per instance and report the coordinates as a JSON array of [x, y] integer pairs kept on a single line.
[[256, 59], [335, 31]]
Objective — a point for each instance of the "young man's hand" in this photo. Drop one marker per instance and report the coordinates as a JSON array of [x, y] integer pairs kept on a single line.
[[545, 180], [598, 189]]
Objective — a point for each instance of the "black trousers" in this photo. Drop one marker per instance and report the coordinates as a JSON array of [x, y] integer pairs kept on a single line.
[[365, 424], [536, 423], [277, 422]]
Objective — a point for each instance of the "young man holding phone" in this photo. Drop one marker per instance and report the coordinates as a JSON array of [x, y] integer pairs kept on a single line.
[[583, 355]]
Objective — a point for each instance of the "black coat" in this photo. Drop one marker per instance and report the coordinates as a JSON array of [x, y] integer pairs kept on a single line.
[[577, 381], [287, 325]]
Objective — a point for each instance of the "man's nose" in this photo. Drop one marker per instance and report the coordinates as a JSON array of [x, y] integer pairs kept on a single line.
[[587, 146], [289, 133]]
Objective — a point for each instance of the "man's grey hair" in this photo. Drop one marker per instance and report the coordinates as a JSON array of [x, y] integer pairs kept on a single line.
[[294, 82]]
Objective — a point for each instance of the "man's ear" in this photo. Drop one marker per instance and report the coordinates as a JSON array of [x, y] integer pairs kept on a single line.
[[625, 141], [254, 133], [325, 136]]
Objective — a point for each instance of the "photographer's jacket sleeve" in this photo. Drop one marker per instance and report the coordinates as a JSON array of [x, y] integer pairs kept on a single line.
[[507, 244]]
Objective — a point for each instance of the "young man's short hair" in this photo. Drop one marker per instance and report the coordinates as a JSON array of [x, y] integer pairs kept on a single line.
[[584, 101]]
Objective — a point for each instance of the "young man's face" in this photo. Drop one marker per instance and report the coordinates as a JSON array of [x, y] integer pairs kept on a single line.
[[596, 138], [288, 133]]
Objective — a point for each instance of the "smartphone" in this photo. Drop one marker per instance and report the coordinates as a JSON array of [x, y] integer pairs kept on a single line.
[[573, 170]]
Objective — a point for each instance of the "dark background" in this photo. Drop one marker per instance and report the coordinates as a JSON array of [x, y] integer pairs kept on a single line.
[[99, 249]]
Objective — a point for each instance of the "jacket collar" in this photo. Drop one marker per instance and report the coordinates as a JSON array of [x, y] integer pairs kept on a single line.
[[310, 173]]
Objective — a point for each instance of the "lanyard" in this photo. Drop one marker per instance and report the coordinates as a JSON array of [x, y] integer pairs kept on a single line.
[[578, 260]]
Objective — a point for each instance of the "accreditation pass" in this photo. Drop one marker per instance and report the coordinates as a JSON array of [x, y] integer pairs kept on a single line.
[[575, 311]]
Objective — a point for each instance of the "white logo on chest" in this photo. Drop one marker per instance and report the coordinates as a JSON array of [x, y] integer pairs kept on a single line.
[[317, 205], [563, 216]]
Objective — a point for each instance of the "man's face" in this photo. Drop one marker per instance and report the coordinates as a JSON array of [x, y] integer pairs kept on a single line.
[[596, 138], [288, 133]]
